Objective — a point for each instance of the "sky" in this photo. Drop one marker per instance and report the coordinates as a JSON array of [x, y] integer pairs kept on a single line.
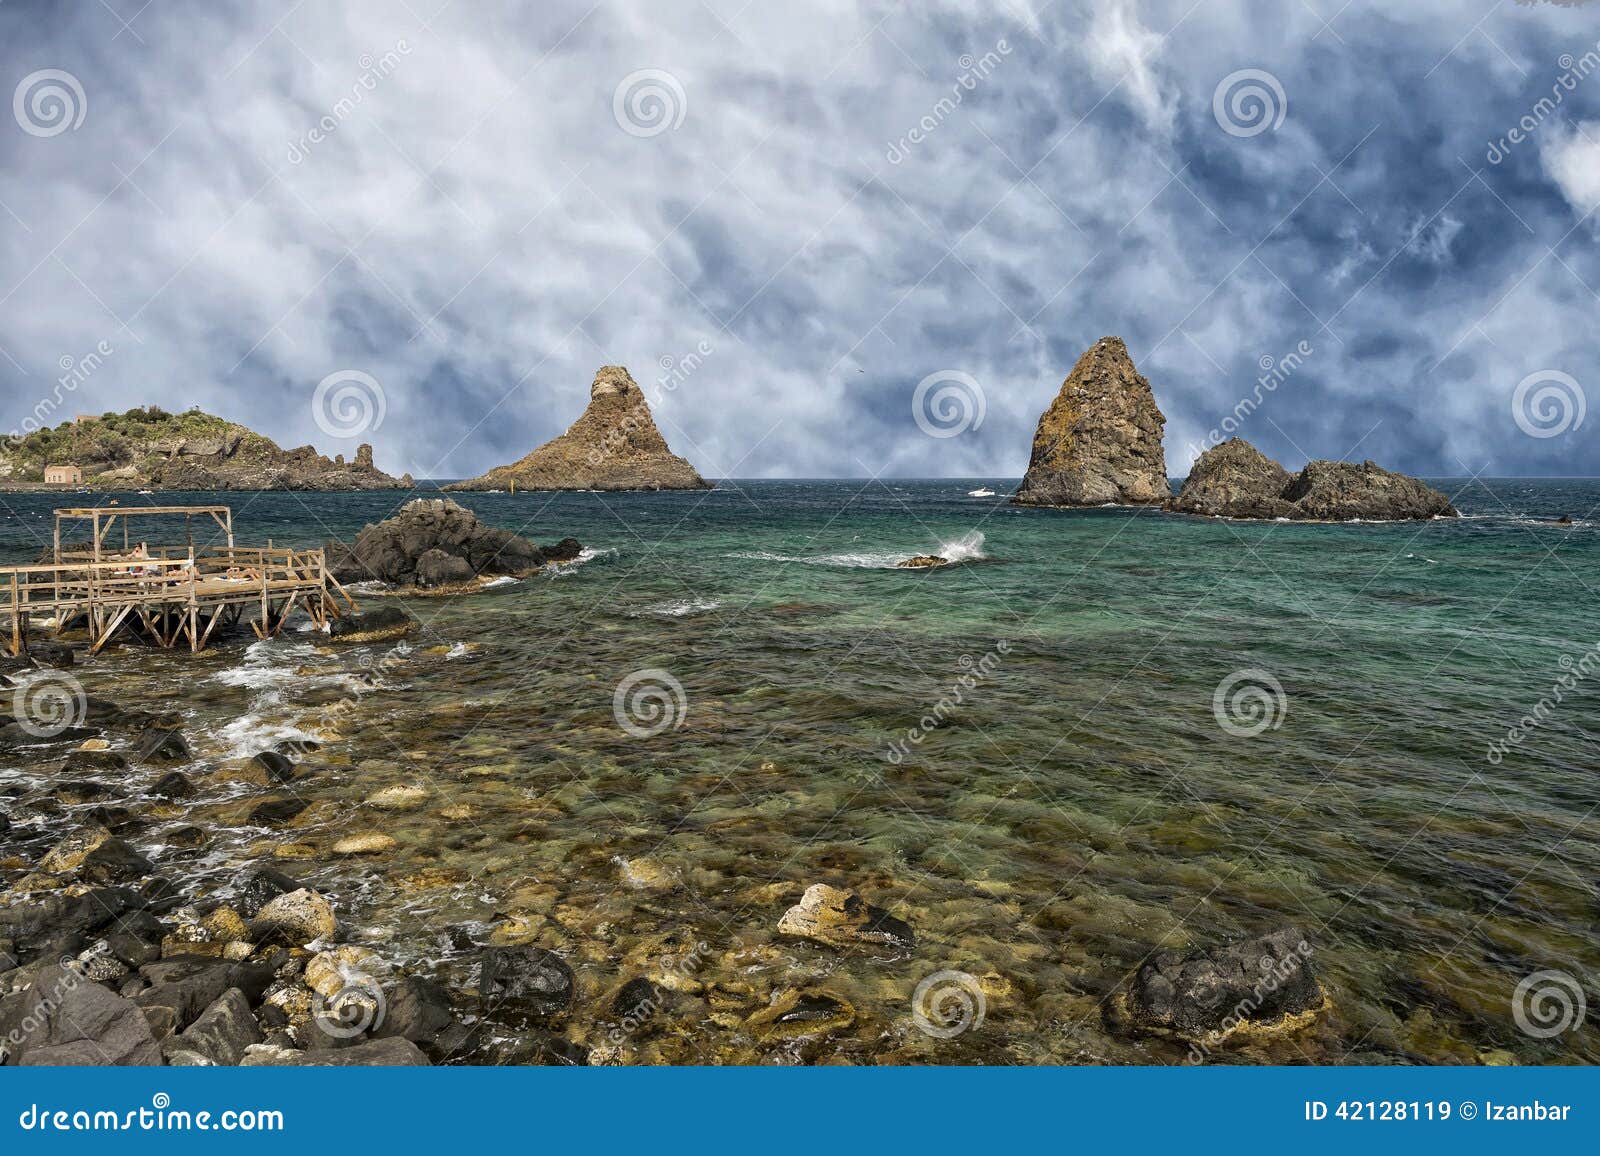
[[829, 239]]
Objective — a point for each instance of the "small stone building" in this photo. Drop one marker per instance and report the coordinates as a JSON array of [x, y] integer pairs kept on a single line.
[[63, 476]]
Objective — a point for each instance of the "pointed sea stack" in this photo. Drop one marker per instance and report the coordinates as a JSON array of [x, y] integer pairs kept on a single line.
[[1100, 440], [614, 446], [1236, 480]]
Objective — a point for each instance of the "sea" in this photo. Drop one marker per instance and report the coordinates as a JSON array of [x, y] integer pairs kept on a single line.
[[1101, 734]]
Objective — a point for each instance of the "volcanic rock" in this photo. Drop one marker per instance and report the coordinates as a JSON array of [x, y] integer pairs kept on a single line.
[[1100, 440], [1235, 480], [1207, 995], [432, 542], [614, 446]]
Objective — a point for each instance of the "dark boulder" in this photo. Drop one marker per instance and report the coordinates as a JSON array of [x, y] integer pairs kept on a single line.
[[32, 926], [163, 745], [432, 542], [47, 653], [221, 1033], [114, 861], [436, 568], [566, 550], [66, 1019], [1209, 994], [279, 767], [202, 986], [1235, 480], [173, 785], [418, 1010], [79, 761], [380, 624], [523, 981], [276, 812]]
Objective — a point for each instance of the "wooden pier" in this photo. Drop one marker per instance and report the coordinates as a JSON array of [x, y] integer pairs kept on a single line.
[[170, 593]]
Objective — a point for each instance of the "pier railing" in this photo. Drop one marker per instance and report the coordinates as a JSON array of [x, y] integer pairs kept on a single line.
[[171, 591]]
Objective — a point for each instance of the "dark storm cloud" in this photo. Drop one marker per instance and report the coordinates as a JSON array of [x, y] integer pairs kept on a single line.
[[857, 196]]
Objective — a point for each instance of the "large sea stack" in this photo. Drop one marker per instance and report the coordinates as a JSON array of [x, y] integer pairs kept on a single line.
[[1100, 440], [614, 446], [1236, 480]]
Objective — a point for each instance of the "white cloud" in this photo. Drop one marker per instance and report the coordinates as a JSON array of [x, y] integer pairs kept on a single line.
[[1571, 158]]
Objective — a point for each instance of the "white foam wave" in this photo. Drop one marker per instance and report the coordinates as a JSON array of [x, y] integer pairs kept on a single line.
[[967, 548], [681, 608]]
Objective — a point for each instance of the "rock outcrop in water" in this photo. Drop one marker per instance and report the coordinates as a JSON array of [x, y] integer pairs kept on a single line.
[[1100, 440], [152, 449], [1251, 985], [614, 446], [1236, 480], [436, 542]]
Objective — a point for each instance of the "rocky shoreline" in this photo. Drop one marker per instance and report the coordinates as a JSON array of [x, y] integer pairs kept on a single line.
[[122, 941]]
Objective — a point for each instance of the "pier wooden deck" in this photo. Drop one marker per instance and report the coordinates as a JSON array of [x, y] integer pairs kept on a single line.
[[170, 593]]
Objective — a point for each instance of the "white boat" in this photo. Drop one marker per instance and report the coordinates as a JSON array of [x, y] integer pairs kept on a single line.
[[144, 493], [984, 492]]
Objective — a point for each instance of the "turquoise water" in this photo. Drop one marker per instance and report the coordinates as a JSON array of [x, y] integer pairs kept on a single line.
[[1079, 808]]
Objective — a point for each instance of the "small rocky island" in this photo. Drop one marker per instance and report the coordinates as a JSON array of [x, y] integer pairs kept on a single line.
[[1236, 480], [614, 446], [1099, 444], [148, 448], [1100, 440], [438, 544]]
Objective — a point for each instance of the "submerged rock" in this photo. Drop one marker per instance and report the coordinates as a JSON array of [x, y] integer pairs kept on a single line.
[[524, 979], [1236, 480], [1266, 983], [800, 1012], [923, 562], [840, 918], [614, 446], [381, 624], [365, 843], [1100, 440]]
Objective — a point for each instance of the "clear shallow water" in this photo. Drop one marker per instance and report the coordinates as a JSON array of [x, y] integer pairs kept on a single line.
[[1082, 806]]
